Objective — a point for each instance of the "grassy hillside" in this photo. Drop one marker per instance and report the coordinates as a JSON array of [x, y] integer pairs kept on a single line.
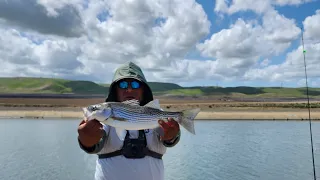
[[161, 87], [47, 85], [244, 92]]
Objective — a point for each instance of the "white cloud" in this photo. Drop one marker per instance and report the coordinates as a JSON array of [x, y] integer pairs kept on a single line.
[[150, 33], [221, 6], [231, 7], [312, 27], [250, 42], [53, 6], [185, 70], [279, 29], [265, 62], [246, 39], [292, 68], [16, 49], [289, 2], [315, 83], [57, 55], [61, 19], [231, 43], [68, 40], [244, 43], [20, 56], [311, 83], [257, 6]]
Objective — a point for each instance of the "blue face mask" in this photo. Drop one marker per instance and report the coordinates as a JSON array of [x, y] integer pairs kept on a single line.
[[124, 84]]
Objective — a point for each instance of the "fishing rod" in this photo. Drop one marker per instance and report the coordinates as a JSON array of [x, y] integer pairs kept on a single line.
[[310, 126]]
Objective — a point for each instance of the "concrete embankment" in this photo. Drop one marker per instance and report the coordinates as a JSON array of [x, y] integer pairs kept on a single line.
[[229, 115]]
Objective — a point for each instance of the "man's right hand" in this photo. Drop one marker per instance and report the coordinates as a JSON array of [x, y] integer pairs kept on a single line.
[[90, 132]]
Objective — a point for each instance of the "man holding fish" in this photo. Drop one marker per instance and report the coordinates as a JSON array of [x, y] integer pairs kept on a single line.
[[130, 132]]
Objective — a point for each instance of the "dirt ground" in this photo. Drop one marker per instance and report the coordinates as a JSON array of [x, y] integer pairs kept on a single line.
[[168, 104]]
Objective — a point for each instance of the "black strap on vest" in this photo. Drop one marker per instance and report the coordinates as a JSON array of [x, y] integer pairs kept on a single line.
[[133, 148]]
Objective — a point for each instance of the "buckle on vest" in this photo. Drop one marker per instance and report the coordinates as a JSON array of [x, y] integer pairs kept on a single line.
[[134, 151]]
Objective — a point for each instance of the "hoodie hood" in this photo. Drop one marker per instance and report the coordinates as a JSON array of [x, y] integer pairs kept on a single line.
[[130, 70]]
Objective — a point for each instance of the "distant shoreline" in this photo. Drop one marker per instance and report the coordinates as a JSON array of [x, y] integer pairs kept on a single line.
[[203, 115], [42, 108]]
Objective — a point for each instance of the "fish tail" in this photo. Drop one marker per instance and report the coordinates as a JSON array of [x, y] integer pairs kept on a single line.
[[187, 119]]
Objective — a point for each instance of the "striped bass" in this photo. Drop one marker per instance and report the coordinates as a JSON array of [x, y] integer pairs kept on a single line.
[[129, 115]]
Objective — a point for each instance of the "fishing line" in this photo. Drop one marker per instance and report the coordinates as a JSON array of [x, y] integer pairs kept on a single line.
[[310, 126]]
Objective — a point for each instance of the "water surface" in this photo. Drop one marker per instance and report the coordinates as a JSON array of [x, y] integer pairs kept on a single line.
[[34, 149]]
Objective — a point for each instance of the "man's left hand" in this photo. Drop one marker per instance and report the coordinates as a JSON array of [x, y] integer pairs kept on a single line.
[[170, 129]]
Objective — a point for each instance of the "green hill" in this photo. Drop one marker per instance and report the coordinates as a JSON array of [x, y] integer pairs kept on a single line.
[[50, 85], [244, 92], [60, 86], [47, 85], [160, 87]]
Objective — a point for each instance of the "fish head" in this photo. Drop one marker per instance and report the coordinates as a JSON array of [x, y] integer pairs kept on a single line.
[[101, 114]]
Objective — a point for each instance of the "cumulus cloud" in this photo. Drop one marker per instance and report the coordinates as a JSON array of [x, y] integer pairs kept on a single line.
[[272, 38], [292, 68], [312, 27], [153, 37], [257, 6], [88, 39], [289, 2], [21, 56], [244, 43], [47, 17], [79, 37], [15, 48], [265, 63], [186, 70], [57, 55]]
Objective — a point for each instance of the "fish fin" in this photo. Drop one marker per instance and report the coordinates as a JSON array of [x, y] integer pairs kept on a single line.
[[121, 133], [187, 119], [131, 102], [153, 104]]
